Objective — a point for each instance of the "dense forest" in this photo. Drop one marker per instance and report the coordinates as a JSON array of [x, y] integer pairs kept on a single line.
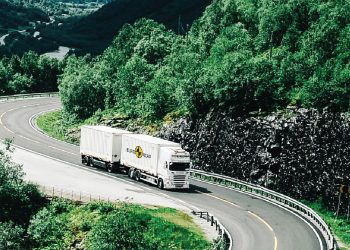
[[241, 56], [29, 73]]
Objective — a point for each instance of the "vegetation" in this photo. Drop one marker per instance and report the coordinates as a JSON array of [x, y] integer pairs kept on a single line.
[[106, 226], [29, 73], [51, 124], [340, 225], [19, 201], [240, 55]]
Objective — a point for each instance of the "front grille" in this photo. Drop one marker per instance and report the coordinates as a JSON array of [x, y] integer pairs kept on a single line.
[[179, 177]]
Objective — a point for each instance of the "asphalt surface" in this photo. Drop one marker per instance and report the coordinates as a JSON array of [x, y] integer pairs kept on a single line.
[[253, 223]]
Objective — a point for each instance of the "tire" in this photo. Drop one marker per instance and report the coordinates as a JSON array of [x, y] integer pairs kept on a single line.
[[84, 159], [90, 163], [160, 183], [137, 175], [130, 172], [109, 167]]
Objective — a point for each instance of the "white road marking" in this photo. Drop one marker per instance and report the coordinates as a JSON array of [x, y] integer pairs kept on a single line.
[[12, 132], [268, 226]]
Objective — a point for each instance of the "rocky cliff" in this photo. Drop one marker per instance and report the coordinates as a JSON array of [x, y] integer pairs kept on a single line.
[[298, 152]]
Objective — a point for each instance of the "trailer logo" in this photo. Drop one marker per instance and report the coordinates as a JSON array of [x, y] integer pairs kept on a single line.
[[138, 152]]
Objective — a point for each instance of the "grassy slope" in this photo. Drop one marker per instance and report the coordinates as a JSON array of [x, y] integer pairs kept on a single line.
[[340, 226], [51, 124]]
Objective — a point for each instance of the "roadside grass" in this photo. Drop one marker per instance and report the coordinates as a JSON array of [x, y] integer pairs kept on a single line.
[[50, 124], [177, 217], [53, 124], [340, 226]]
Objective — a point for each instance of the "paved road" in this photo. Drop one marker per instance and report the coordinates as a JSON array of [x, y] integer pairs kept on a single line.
[[254, 224]]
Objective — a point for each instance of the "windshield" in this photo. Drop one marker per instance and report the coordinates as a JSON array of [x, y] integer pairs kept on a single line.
[[176, 166]]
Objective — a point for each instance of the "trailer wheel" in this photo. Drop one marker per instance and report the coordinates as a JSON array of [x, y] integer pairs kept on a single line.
[[137, 175], [109, 167], [84, 159], [90, 162], [160, 183]]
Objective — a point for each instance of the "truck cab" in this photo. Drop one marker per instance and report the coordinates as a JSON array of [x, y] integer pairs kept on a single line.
[[176, 167]]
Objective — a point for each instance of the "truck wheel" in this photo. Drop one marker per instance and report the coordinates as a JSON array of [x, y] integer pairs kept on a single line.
[[130, 172], [160, 184], [109, 168], [137, 175]]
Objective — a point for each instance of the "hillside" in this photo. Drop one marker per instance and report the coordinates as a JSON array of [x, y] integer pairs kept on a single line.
[[13, 16], [95, 32], [62, 8]]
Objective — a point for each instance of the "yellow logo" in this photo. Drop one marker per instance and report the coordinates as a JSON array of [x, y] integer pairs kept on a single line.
[[138, 152]]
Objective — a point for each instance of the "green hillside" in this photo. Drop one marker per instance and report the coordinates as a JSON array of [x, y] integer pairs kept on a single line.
[[241, 56], [95, 32]]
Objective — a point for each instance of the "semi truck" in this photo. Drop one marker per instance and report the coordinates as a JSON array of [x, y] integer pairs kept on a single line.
[[142, 157], [101, 146], [157, 161]]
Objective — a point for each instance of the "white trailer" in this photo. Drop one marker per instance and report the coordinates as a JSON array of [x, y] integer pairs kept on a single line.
[[101, 146], [157, 161]]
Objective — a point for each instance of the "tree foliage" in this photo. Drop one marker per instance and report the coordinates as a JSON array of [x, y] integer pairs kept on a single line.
[[240, 55], [29, 73]]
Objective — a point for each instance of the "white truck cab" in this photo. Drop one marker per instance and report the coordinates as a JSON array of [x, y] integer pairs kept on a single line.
[[176, 170], [157, 161]]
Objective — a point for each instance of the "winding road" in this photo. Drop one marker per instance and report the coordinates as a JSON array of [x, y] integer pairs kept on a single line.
[[254, 224]]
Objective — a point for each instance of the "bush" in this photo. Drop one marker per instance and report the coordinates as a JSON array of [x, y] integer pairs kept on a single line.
[[11, 236]]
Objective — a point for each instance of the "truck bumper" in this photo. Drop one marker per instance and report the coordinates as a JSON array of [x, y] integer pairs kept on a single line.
[[175, 185]]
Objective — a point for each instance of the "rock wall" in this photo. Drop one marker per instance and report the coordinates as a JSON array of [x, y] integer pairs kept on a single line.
[[302, 153]]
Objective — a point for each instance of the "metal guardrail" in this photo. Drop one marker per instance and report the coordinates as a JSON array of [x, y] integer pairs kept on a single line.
[[5, 98], [276, 198], [222, 231]]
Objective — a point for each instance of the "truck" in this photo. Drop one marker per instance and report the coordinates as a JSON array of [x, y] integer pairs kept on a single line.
[[154, 160], [101, 146]]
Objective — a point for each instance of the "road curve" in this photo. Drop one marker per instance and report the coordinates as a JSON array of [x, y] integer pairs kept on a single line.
[[254, 224]]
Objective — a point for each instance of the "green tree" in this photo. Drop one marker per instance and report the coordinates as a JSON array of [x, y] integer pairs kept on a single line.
[[81, 90], [11, 236], [21, 83], [48, 228], [19, 200]]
